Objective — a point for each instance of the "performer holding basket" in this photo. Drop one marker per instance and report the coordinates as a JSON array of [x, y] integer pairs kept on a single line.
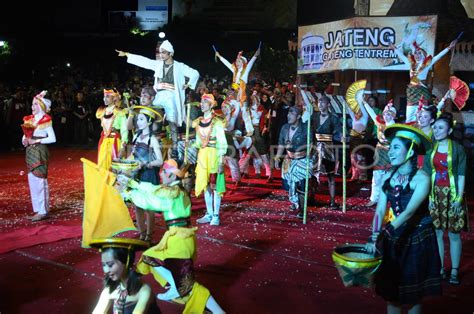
[[410, 268]]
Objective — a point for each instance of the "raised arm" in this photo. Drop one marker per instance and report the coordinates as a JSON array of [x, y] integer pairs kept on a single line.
[[139, 61], [365, 116], [351, 113], [253, 59], [307, 105], [370, 111], [226, 63], [400, 54], [443, 52]]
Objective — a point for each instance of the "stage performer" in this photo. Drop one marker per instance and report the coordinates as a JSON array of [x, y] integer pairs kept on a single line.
[[420, 64], [123, 289], [114, 137], [357, 136], [147, 96], [427, 113], [293, 139], [212, 145], [240, 74], [170, 84], [410, 268], [146, 150], [171, 261], [39, 131], [381, 161], [256, 145], [186, 148], [328, 128], [231, 109], [447, 167], [426, 116]]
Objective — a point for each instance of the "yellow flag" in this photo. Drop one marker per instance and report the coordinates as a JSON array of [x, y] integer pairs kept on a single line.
[[105, 213]]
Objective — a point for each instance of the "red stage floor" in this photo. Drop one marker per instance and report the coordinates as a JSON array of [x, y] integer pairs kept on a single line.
[[260, 260]]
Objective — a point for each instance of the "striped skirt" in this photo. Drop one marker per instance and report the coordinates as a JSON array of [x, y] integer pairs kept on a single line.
[[411, 265]]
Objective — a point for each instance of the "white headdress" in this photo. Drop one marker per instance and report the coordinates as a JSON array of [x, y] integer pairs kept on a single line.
[[44, 103], [166, 45]]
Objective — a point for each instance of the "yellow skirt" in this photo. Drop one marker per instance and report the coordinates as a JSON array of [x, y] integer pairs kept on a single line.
[[108, 149], [207, 164], [177, 242]]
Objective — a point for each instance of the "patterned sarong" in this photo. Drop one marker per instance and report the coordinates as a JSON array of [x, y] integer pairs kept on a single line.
[[442, 214], [324, 152], [295, 173], [37, 157]]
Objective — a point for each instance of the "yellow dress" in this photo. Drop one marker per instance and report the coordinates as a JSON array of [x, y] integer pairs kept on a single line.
[[212, 145], [114, 133]]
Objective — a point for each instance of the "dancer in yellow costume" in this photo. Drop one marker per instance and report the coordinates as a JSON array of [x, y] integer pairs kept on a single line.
[[212, 145], [171, 261], [114, 129]]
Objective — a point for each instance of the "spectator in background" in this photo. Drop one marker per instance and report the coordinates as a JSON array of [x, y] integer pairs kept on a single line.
[[80, 114], [17, 108], [60, 116]]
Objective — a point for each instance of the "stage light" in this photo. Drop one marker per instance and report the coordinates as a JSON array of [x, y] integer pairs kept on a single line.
[[2, 43], [162, 35], [68, 65]]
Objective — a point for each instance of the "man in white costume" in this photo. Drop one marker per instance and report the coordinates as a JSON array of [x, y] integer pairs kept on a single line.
[[170, 83]]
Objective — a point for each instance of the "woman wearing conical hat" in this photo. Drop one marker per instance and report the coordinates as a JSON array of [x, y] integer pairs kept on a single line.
[[171, 261], [146, 150], [124, 290], [403, 228]]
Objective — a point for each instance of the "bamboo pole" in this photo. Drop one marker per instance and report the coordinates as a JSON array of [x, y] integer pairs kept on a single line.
[[308, 150], [186, 140]]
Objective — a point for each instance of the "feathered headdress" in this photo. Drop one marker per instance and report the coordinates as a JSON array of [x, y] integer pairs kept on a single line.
[[239, 55], [390, 108], [44, 103]]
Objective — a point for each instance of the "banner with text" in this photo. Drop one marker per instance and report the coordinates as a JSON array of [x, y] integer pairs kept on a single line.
[[363, 43]]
